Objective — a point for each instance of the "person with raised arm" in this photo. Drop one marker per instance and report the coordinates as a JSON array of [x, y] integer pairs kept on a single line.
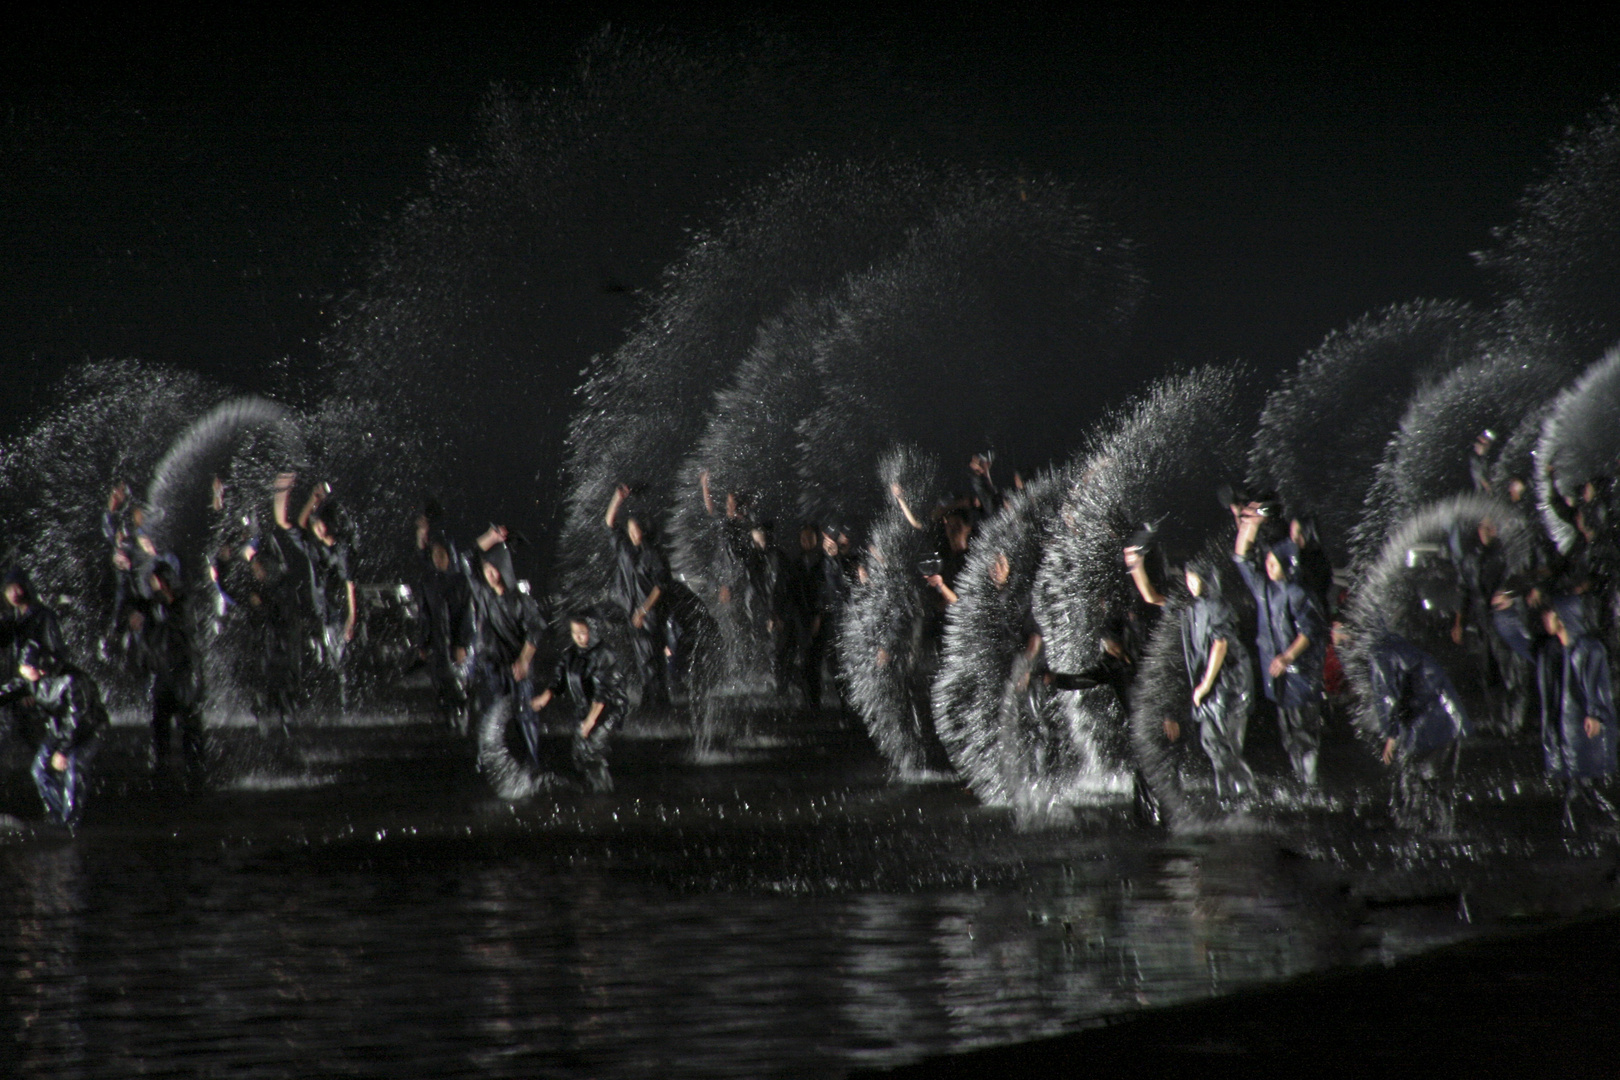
[[69, 707], [165, 649], [1292, 641], [506, 628], [640, 582], [331, 585]]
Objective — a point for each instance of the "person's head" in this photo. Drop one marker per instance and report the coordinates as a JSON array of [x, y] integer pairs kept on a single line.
[[162, 580], [1487, 532], [1302, 531], [1195, 581], [322, 531], [499, 573], [1515, 489], [137, 516], [1483, 442], [440, 556], [1341, 636], [843, 542], [978, 464], [958, 531], [1000, 569], [809, 538], [146, 544], [760, 534], [579, 629], [16, 588], [492, 577], [1274, 568], [632, 529], [1551, 622]]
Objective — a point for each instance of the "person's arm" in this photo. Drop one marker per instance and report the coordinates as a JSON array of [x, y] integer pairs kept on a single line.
[[1283, 660], [1597, 692], [938, 582], [640, 618], [708, 499], [1138, 571], [899, 497], [1248, 528], [541, 700], [282, 491], [520, 666], [495, 534], [620, 493], [354, 611], [1212, 670], [587, 725], [316, 496]]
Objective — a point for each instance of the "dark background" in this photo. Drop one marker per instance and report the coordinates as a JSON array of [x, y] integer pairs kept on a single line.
[[200, 188]]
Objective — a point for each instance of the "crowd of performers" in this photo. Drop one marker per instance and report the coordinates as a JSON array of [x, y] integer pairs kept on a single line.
[[1538, 638]]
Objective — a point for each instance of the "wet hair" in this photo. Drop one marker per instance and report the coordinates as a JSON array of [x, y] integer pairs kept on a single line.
[[1309, 540]]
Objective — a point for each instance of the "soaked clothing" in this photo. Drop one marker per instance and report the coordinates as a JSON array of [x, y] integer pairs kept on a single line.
[[327, 589], [36, 626], [1573, 683], [165, 651], [261, 607], [584, 677], [637, 571], [499, 625], [1283, 612], [1413, 697], [444, 598], [69, 705], [1223, 715]]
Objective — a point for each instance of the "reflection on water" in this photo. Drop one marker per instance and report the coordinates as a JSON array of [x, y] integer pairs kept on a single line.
[[753, 921]]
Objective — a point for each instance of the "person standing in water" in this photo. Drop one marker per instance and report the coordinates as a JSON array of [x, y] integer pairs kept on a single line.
[[588, 675], [506, 628], [68, 703], [1292, 641], [1422, 722], [640, 581]]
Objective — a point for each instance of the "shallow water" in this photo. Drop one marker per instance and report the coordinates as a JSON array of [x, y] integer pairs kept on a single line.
[[351, 901]]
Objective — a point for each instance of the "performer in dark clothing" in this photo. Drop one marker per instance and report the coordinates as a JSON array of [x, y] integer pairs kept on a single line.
[[69, 704], [640, 582], [119, 526], [1222, 680], [506, 628], [1292, 640], [27, 621], [1315, 569], [986, 498], [1422, 721], [1476, 556], [444, 596], [588, 675], [261, 600], [331, 588], [1578, 722], [162, 635]]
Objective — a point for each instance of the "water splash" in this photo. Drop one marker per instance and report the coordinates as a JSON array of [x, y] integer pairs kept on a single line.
[[996, 742], [1323, 431], [888, 637], [1427, 459], [1580, 440]]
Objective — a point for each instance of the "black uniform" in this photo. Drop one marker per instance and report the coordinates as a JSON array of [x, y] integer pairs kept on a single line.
[[261, 602], [68, 703], [584, 677], [499, 625], [637, 571], [165, 651], [445, 596], [1223, 715]]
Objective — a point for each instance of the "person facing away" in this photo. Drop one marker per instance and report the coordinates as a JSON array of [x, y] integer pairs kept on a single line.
[[165, 650], [1291, 639], [588, 676], [1221, 678], [1422, 721], [69, 705]]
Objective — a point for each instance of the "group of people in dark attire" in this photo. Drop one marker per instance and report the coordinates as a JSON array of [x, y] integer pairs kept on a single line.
[[788, 602]]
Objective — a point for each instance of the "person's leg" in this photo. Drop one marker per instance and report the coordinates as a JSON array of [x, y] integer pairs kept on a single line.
[[1299, 728], [1221, 736], [47, 784], [163, 708], [590, 754], [192, 744]]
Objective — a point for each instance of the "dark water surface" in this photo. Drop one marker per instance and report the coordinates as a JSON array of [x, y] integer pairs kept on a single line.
[[353, 903]]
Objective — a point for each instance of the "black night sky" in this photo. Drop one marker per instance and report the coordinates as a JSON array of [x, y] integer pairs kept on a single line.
[[201, 189]]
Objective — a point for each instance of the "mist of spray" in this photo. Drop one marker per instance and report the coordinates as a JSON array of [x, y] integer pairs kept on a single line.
[[1409, 588], [1560, 258], [1158, 462], [888, 636], [110, 421], [1427, 459], [1580, 441], [983, 712], [1323, 432]]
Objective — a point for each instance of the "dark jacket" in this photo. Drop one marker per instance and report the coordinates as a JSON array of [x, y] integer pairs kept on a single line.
[[164, 648], [1573, 683], [1206, 620], [1283, 611], [590, 675], [70, 705], [1413, 697], [637, 571]]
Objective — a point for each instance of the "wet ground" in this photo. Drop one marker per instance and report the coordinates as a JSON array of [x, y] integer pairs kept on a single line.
[[351, 901]]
